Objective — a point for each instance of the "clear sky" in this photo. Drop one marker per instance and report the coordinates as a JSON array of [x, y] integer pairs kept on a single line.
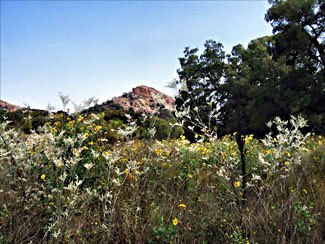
[[104, 48]]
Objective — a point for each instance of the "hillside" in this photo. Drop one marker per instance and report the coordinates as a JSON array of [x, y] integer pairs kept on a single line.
[[140, 99], [8, 107]]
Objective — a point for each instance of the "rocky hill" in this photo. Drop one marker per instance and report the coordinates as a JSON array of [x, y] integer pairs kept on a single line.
[[8, 107], [141, 99]]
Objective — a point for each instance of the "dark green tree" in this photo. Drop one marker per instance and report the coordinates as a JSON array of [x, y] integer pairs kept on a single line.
[[301, 25], [243, 86], [299, 33], [253, 85]]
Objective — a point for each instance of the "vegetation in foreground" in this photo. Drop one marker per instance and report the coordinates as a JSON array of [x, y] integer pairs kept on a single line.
[[65, 184]]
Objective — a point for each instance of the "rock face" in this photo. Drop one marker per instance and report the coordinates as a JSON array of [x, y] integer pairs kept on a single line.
[[141, 99], [144, 99], [8, 107]]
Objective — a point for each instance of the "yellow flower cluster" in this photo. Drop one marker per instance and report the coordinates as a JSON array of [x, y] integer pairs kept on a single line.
[[204, 149], [249, 138], [71, 123]]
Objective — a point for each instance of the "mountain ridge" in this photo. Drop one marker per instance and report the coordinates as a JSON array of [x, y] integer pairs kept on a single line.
[[141, 99]]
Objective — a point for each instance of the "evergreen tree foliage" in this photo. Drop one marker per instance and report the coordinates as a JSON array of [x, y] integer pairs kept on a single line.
[[275, 75]]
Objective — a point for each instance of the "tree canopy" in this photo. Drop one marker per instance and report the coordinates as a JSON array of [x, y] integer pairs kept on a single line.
[[275, 75]]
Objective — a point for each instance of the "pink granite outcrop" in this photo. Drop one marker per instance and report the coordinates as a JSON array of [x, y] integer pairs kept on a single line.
[[144, 99]]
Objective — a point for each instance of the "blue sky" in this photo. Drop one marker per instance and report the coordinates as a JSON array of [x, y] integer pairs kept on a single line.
[[104, 48]]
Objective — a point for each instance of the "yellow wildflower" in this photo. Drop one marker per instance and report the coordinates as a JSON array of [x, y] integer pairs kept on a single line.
[[175, 221], [286, 163], [43, 176], [237, 184], [159, 151], [71, 123], [182, 205], [53, 129]]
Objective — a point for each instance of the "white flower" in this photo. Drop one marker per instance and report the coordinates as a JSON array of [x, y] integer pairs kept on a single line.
[[256, 178], [262, 161], [88, 165]]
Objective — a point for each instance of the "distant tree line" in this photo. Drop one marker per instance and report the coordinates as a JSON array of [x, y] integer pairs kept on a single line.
[[276, 75]]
